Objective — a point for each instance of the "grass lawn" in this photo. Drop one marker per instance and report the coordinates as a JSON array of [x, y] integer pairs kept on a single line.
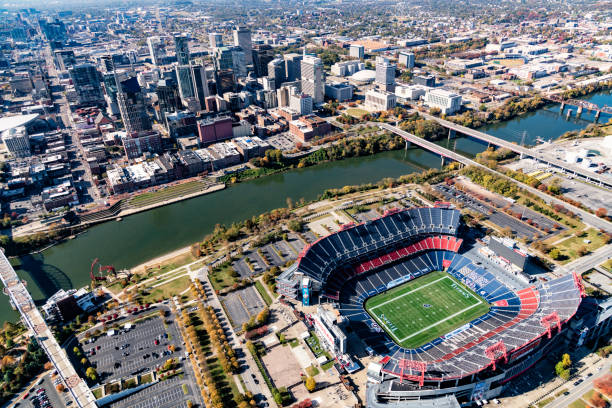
[[222, 278], [167, 290], [607, 265], [167, 193], [569, 247], [587, 396], [578, 404], [422, 310], [510, 62], [312, 371], [97, 393], [356, 112], [263, 292], [147, 378]]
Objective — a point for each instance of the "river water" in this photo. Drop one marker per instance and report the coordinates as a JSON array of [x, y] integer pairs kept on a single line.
[[144, 236]]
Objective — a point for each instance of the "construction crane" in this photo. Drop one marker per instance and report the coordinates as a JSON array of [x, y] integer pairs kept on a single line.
[[101, 270]]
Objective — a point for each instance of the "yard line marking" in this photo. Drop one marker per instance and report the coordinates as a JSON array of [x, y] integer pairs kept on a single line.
[[407, 293], [443, 320]]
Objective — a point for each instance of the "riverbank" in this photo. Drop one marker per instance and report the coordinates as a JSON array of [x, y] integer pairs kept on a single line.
[[72, 231]]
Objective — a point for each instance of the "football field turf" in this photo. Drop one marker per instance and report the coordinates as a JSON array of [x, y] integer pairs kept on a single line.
[[426, 308]]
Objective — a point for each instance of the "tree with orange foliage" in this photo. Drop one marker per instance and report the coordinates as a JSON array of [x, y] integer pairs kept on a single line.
[[597, 401], [604, 384]]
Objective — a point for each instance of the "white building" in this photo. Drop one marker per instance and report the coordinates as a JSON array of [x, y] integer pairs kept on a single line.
[[242, 38], [379, 100], [448, 102], [385, 73], [312, 78], [346, 68], [17, 141], [156, 49], [215, 40], [356, 51], [301, 103], [406, 59], [410, 92]]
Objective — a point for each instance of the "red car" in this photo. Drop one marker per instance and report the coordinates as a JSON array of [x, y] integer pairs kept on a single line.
[[25, 395]]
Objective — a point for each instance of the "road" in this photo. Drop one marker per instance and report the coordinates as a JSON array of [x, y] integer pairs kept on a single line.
[[589, 261], [576, 391], [586, 216]]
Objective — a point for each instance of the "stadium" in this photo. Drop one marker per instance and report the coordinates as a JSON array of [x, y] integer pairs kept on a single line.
[[444, 329]]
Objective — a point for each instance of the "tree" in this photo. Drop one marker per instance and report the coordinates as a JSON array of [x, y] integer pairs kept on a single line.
[[91, 374], [60, 387], [566, 360], [597, 401], [555, 254], [601, 212], [310, 384]]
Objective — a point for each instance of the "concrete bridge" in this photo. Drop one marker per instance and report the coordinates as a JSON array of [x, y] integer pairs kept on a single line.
[[557, 164], [21, 299], [450, 155]]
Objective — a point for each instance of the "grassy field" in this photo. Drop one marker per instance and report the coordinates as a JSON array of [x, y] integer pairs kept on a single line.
[[570, 246], [356, 112], [171, 288], [263, 292], [425, 308], [607, 265], [167, 193], [510, 62]]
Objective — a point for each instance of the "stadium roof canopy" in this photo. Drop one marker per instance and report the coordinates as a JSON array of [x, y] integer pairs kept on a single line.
[[10, 122]]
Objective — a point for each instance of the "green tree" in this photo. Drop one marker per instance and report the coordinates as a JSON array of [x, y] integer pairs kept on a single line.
[[91, 374]]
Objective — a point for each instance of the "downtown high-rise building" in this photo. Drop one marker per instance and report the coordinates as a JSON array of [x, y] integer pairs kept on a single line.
[[293, 67], [200, 84], [262, 55], [167, 97], [242, 39], [132, 107], [185, 83], [385, 74], [87, 84], [276, 72], [313, 83], [181, 45], [215, 40], [156, 49]]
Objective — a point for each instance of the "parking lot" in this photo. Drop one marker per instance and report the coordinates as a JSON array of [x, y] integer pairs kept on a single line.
[[36, 398], [282, 141], [275, 254], [494, 215], [138, 351], [241, 305]]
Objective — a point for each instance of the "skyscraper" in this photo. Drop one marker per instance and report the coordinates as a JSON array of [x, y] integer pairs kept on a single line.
[[167, 97], [215, 40], [293, 69], [262, 55], [200, 84], [156, 49], [182, 49], [132, 106], [385, 74], [242, 38], [185, 84], [87, 84], [312, 78], [276, 72]]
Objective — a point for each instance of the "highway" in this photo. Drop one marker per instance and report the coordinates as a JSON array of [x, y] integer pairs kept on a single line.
[[586, 216], [34, 321], [526, 152]]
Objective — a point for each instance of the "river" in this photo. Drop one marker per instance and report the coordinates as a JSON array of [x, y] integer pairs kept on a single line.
[[144, 236]]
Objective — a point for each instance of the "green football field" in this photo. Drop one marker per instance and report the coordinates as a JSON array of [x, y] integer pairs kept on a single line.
[[426, 308]]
